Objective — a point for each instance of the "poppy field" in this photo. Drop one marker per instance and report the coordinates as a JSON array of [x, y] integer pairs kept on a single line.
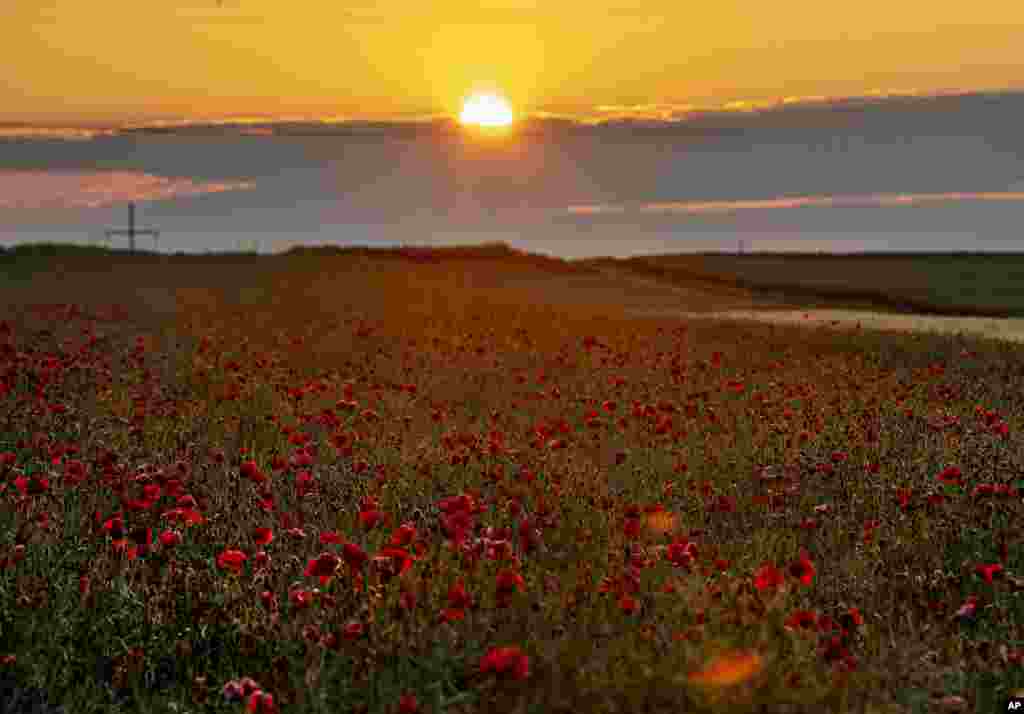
[[442, 481]]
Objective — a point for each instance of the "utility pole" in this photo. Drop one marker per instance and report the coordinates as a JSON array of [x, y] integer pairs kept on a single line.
[[250, 245], [132, 231]]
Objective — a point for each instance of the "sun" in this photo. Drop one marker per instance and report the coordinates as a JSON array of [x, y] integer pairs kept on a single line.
[[486, 110]]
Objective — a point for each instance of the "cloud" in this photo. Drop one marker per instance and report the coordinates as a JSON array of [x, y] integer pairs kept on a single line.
[[95, 189], [52, 133], [685, 111], [864, 200], [664, 111], [794, 111]]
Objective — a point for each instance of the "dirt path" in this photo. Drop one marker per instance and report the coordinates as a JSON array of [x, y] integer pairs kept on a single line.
[[1007, 329], [707, 301]]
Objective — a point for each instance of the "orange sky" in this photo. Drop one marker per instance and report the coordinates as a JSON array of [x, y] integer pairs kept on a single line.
[[123, 60]]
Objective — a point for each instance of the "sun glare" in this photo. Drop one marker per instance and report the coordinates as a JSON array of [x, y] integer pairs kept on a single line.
[[486, 110]]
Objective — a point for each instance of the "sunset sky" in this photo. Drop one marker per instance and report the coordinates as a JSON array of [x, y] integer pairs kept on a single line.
[[122, 60]]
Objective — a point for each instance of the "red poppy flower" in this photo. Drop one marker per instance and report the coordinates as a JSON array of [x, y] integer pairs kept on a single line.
[[681, 553], [395, 561], [987, 571], [251, 471], [354, 630], [509, 581], [768, 577], [628, 604], [269, 600], [169, 539], [324, 565], [631, 528], [457, 596], [509, 660], [968, 609], [404, 535], [232, 559], [407, 704], [331, 538], [801, 619], [950, 475], [803, 569], [301, 599], [369, 519], [354, 555], [263, 536], [261, 703]]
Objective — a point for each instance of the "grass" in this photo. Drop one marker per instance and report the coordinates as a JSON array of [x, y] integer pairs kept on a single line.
[[978, 284], [571, 510]]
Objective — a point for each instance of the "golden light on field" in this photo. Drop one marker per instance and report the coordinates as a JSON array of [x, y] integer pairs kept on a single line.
[[728, 669], [661, 522], [486, 110]]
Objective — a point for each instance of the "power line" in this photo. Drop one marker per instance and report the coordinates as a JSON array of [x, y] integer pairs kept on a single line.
[[132, 231]]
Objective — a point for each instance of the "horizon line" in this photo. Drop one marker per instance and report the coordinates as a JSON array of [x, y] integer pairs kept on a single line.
[[480, 247], [652, 114]]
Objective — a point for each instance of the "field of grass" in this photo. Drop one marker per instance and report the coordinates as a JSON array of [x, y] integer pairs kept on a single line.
[[415, 481], [947, 283]]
